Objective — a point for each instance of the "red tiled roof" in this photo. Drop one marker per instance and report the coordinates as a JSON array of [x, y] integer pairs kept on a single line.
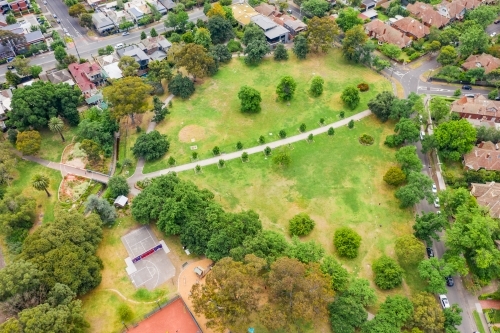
[[427, 14], [80, 72], [387, 34], [412, 26], [488, 195], [486, 61], [484, 156]]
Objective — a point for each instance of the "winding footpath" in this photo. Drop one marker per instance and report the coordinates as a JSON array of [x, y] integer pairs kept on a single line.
[[138, 175]]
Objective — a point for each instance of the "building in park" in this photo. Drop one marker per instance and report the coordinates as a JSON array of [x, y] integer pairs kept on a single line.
[[411, 27], [274, 32], [486, 61], [478, 110], [385, 33], [88, 77], [488, 195], [121, 201]]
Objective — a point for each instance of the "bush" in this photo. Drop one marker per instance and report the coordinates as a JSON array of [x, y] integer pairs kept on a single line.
[[117, 185], [331, 131], [282, 134], [388, 274], [366, 139], [347, 242], [125, 312], [342, 114], [363, 87], [302, 127], [150, 146], [234, 46], [409, 51], [350, 124], [415, 55], [301, 225], [394, 176]]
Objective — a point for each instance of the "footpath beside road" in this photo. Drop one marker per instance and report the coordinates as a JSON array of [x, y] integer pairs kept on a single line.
[[138, 175]]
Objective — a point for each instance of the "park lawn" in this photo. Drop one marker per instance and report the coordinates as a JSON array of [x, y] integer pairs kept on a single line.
[[335, 180], [212, 117], [45, 205], [100, 305], [52, 146]]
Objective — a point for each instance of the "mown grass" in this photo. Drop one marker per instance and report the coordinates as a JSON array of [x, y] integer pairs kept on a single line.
[[52, 145], [335, 180], [212, 117], [478, 322]]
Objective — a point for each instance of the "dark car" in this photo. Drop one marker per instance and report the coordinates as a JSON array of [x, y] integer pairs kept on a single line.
[[10, 67], [430, 252], [467, 87], [449, 281], [497, 21]]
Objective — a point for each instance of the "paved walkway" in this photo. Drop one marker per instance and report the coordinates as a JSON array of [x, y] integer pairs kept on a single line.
[[138, 175], [67, 169]]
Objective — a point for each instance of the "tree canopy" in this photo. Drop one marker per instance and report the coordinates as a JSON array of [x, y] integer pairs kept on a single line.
[[34, 105], [455, 138], [250, 99], [388, 274], [347, 242], [127, 96], [348, 19], [321, 33], [150, 146]]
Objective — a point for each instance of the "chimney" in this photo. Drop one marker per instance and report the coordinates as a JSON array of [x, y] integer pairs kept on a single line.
[[488, 156], [496, 146], [383, 33]]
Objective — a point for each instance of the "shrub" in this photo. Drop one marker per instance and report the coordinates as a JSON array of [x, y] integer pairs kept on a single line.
[[117, 185], [267, 151], [321, 121], [194, 155], [262, 139], [302, 127], [171, 161], [301, 225], [350, 124], [125, 312], [342, 114], [366, 139], [363, 87], [331, 131], [239, 145], [234, 46], [216, 150], [244, 157], [415, 55], [394, 176], [388, 274], [347, 242], [282, 134], [310, 137]]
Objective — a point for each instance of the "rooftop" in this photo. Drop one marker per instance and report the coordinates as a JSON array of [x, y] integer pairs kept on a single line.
[[488, 195], [265, 23], [484, 156], [486, 61], [243, 13]]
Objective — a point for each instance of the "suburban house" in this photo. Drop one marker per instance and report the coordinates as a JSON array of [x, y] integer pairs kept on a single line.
[[58, 76], [155, 47], [266, 9], [135, 52], [168, 4], [456, 9], [370, 14], [486, 61], [483, 156], [411, 27], [478, 110], [367, 4], [109, 64], [427, 14], [386, 34], [274, 33], [5, 98], [119, 16], [295, 26], [95, 3], [18, 5], [488, 195], [139, 8], [87, 77], [243, 13], [102, 23], [34, 37]]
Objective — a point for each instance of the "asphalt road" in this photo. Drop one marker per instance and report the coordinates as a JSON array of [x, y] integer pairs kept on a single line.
[[59, 8]]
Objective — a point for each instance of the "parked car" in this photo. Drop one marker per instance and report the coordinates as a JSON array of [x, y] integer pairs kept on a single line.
[[119, 46], [10, 67], [469, 95], [449, 281], [493, 34], [422, 135], [430, 252], [289, 11], [434, 188], [444, 301], [436, 203], [497, 21], [467, 87], [126, 33], [58, 21], [54, 15]]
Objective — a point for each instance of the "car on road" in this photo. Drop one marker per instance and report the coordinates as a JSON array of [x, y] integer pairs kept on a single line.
[[434, 188], [44, 2], [430, 252], [58, 21], [289, 11], [54, 15], [422, 135], [449, 281], [469, 95], [10, 67], [497, 21], [444, 301], [466, 87], [119, 46], [436, 203], [493, 34], [126, 33]]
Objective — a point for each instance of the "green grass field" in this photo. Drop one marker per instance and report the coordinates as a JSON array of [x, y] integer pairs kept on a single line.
[[212, 117], [52, 145], [336, 180]]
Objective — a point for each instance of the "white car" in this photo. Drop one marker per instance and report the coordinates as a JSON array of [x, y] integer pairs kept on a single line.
[[118, 46], [436, 203], [434, 188], [444, 301], [493, 34], [126, 33]]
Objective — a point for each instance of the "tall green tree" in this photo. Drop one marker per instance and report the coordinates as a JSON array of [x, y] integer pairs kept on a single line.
[[280, 52], [428, 225], [346, 314], [347, 242], [417, 189], [388, 274], [150, 146], [117, 185], [195, 59], [381, 105], [286, 88], [56, 125], [394, 176], [320, 33], [339, 275], [255, 51], [408, 159], [447, 56], [202, 37], [40, 183], [473, 39], [300, 47], [316, 88], [102, 207], [181, 86], [220, 29], [348, 19], [250, 99], [315, 8], [159, 70], [127, 97], [409, 250], [28, 142], [352, 44], [427, 314], [434, 271], [350, 96], [128, 66], [455, 138]]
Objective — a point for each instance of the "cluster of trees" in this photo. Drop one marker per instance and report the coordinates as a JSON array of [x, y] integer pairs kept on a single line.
[[58, 262], [98, 127]]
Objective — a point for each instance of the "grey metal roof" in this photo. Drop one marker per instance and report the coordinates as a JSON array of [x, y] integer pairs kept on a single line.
[[263, 22], [134, 52], [100, 20], [135, 12], [34, 36], [368, 3], [169, 4], [164, 43], [276, 32], [158, 55]]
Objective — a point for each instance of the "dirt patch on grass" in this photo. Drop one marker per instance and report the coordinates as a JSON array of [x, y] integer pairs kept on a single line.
[[190, 132]]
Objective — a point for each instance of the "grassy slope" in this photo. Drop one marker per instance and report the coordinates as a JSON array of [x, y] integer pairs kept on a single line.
[[52, 145], [335, 180], [214, 108]]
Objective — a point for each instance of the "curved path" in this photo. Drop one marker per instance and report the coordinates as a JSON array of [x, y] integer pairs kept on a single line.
[[138, 175], [128, 299]]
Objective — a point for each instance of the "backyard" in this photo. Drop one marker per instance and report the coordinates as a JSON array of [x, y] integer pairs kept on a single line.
[[336, 180], [212, 117]]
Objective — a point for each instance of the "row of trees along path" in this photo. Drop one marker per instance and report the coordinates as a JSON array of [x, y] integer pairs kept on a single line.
[[138, 175]]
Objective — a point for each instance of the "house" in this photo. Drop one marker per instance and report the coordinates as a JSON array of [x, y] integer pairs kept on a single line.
[[5, 99], [370, 14], [488, 195], [266, 9], [135, 52], [109, 64], [483, 156], [119, 16], [243, 13], [478, 110], [411, 27], [95, 3], [120, 201], [427, 14], [34, 37], [168, 4], [295, 26], [274, 33], [58, 76], [87, 77], [158, 5], [486, 61], [384, 33], [153, 44], [19, 5], [454, 10], [367, 4], [102, 23], [137, 9]]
